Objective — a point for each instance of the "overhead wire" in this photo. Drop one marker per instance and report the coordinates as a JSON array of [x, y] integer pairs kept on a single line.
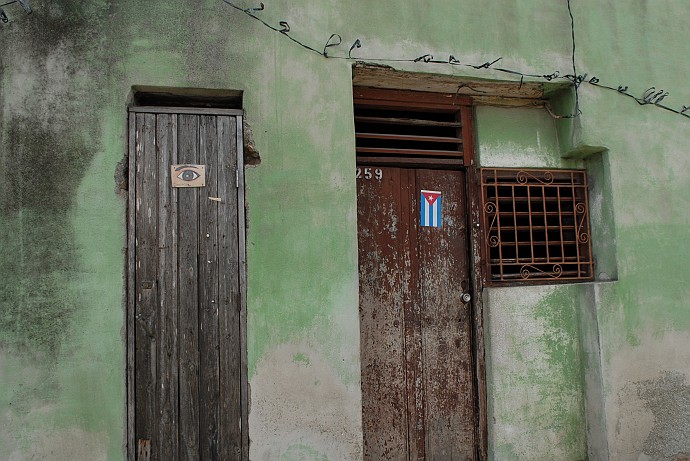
[[651, 96], [23, 3]]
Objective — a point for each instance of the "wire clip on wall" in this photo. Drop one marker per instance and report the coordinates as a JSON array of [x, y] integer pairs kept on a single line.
[[23, 3]]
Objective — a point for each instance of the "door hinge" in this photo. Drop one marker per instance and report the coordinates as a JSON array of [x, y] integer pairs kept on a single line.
[[237, 178]]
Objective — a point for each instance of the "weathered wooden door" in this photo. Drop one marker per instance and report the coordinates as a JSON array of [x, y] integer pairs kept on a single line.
[[185, 318], [418, 386]]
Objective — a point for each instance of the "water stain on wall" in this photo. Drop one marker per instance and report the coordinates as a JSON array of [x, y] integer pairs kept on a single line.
[[40, 174], [49, 64]]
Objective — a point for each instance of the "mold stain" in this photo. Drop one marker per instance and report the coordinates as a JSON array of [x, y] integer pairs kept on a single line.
[[40, 176], [560, 345], [668, 398], [301, 358], [53, 58], [301, 452]]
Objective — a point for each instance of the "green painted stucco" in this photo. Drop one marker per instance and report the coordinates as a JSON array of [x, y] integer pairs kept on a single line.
[[563, 362], [519, 137], [535, 373]]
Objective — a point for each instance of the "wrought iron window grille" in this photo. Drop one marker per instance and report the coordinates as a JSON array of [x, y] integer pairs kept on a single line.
[[536, 225]]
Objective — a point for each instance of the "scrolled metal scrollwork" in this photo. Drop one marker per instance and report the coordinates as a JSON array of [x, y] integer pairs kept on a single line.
[[523, 177], [555, 273], [491, 210], [581, 211]]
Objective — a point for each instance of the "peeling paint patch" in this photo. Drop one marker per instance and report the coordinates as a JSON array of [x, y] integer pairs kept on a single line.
[[301, 358], [638, 378], [668, 398], [251, 153]]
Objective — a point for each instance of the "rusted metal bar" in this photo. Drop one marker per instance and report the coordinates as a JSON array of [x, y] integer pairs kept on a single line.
[[526, 196]]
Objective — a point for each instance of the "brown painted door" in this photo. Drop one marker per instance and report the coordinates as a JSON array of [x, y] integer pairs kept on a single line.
[[416, 349], [185, 312]]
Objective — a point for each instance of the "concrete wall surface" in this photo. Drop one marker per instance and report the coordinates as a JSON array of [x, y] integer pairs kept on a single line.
[[597, 371]]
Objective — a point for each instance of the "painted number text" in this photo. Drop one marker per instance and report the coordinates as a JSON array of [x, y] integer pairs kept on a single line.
[[368, 173]]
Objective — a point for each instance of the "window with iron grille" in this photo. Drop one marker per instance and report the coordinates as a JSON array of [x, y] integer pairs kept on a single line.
[[536, 225]]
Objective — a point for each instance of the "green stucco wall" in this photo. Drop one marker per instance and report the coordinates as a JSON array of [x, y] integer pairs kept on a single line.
[[535, 369], [591, 371]]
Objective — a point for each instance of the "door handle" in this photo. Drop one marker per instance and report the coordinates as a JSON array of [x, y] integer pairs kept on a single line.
[[465, 297]]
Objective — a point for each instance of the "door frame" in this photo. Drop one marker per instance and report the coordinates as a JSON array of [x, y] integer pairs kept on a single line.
[[476, 261], [130, 287], [465, 105]]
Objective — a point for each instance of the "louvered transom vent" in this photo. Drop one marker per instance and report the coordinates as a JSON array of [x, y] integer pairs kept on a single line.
[[383, 133]]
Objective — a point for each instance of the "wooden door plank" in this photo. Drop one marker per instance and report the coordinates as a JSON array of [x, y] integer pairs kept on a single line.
[[188, 231], [143, 450], [242, 244], [381, 316], [466, 115], [131, 287], [416, 407], [168, 417], [477, 257], [146, 309], [228, 293], [209, 390], [411, 99], [446, 326]]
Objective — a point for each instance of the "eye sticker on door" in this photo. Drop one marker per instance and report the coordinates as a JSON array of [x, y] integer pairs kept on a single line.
[[188, 175], [430, 209]]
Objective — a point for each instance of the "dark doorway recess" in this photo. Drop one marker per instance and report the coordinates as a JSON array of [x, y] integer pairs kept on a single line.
[[158, 96], [186, 316]]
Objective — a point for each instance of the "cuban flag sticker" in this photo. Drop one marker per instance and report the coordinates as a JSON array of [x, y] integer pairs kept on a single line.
[[430, 209]]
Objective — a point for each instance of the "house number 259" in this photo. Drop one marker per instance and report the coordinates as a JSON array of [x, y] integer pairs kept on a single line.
[[368, 173]]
